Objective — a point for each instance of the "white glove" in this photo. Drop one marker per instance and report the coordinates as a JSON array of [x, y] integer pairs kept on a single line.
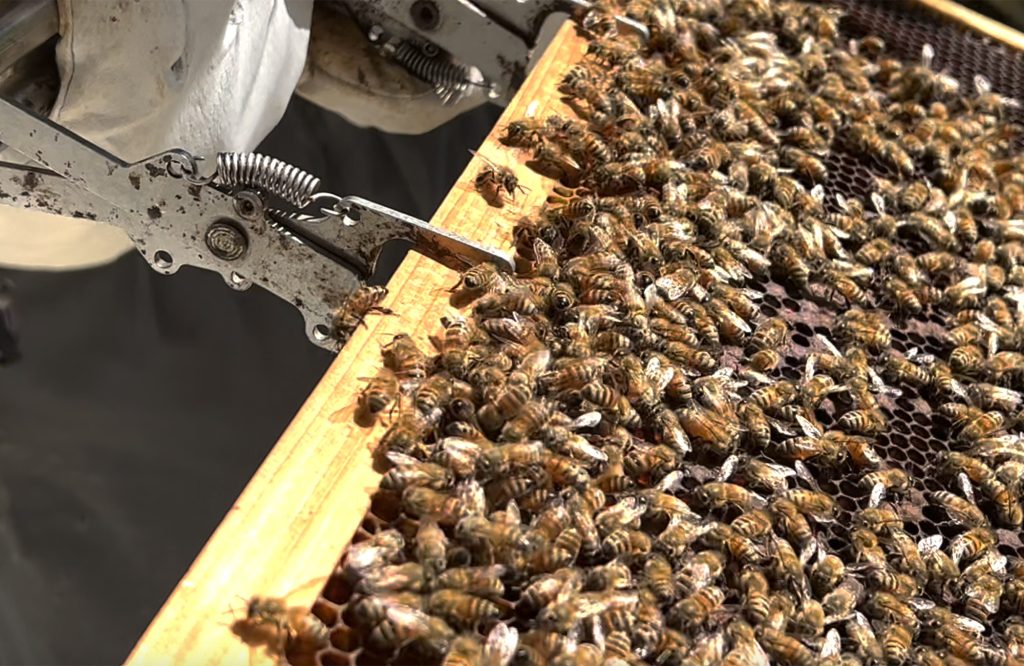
[[345, 75], [138, 78]]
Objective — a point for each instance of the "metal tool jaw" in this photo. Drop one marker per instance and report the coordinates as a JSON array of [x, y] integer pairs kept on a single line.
[[312, 255], [495, 36]]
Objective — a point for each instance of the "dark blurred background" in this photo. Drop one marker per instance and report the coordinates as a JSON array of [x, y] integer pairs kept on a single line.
[[142, 404]]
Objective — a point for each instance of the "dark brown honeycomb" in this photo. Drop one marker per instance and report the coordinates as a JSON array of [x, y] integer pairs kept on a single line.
[[917, 435]]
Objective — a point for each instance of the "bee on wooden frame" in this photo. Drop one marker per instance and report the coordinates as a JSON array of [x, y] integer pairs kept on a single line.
[[495, 182]]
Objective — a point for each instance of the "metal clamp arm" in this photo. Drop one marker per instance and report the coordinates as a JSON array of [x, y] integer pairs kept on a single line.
[[222, 223]]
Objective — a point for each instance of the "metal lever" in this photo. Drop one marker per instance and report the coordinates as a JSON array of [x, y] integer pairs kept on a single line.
[[357, 230], [177, 218]]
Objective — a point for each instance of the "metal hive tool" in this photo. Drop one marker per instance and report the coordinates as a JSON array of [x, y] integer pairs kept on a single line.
[[916, 435]]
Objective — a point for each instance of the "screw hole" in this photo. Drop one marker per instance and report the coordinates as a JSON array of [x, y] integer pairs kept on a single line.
[[425, 14], [238, 278], [163, 259], [321, 333]]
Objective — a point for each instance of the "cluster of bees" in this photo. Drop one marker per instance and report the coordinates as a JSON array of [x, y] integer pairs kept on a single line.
[[602, 463]]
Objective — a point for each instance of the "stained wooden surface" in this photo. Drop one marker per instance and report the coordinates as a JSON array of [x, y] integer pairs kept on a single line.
[[302, 507], [979, 22]]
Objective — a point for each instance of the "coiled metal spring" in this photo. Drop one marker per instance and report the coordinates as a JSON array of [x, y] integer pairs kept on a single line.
[[269, 175], [449, 80]]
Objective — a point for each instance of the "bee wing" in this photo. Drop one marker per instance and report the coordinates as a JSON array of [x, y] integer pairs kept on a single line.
[[487, 161], [920, 604], [583, 448], [828, 345], [969, 624], [501, 644], [781, 427], [996, 561], [878, 202], [950, 220], [597, 632], [407, 616], [672, 481], [472, 495], [758, 376], [927, 55], [727, 468], [964, 483], [400, 459], [808, 551], [586, 420], [805, 474], [831, 646], [512, 509], [877, 495], [809, 428], [676, 285], [809, 366]]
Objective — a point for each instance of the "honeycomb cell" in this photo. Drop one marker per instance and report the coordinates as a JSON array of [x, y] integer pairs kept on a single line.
[[921, 419], [803, 329], [768, 310], [337, 589], [920, 431], [326, 611], [936, 514], [800, 340], [345, 639], [904, 402], [916, 457]]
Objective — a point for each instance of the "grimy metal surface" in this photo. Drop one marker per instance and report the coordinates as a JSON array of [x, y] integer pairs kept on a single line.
[[917, 435], [177, 219]]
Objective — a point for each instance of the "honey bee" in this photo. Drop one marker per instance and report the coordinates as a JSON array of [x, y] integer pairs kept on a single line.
[[281, 628], [460, 609], [495, 182], [971, 544], [379, 393], [866, 643], [804, 164], [756, 595], [409, 471], [405, 433], [718, 494], [892, 479], [405, 359], [896, 643], [785, 648], [698, 608], [364, 300], [867, 328], [879, 519], [826, 572], [959, 509], [405, 626], [811, 502], [791, 265]]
